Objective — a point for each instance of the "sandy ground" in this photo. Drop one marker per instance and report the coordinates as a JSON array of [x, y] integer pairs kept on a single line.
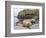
[[35, 26]]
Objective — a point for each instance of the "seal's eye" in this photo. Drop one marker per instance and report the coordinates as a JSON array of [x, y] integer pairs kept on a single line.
[[32, 22]]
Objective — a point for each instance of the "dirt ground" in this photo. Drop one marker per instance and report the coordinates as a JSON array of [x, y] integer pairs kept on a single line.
[[35, 26]]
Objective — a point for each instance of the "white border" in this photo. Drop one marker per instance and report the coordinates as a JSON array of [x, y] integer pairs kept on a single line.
[[27, 30]]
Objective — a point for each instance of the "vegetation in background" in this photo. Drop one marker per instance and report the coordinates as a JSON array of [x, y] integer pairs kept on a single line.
[[27, 13]]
